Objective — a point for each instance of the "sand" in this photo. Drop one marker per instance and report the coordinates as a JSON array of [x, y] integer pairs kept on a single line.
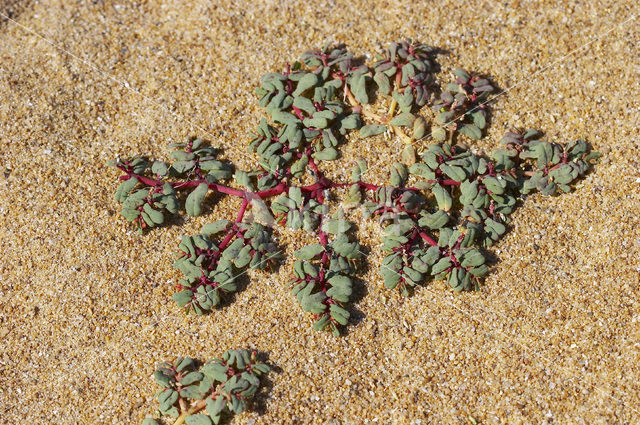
[[85, 308]]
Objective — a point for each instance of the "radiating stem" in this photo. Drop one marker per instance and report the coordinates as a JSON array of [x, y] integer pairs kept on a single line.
[[392, 108], [243, 208], [355, 104], [428, 239], [379, 119], [396, 130], [196, 408], [401, 135]]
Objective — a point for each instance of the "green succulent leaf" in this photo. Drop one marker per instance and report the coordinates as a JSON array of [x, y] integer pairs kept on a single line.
[[335, 226], [382, 81], [442, 197], [160, 168], [124, 188], [305, 83], [479, 119], [183, 298], [193, 204], [456, 173], [399, 174], [322, 323], [328, 154], [198, 420], [438, 133], [472, 131], [372, 130], [390, 270], [403, 120], [419, 128], [441, 266], [339, 314], [436, 220], [216, 371], [215, 227], [309, 252]]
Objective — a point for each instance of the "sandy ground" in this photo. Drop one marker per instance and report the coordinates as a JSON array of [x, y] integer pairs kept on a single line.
[[85, 309]]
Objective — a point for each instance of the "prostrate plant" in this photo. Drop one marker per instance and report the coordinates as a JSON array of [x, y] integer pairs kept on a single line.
[[470, 200], [221, 386], [208, 264], [441, 209]]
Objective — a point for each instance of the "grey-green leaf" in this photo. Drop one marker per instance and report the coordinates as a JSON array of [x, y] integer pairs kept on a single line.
[[479, 119], [160, 168], [305, 83], [328, 154], [442, 197], [124, 188], [155, 215], [403, 120], [435, 220], [321, 323], [193, 204], [215, 227], [183, 166], [438, 133], [309, 252], [198, 420], [336, 226], [372, 130], [472, 131], [441, 266]]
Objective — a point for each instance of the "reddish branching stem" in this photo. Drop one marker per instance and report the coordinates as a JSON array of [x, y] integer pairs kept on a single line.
[[314, 191], [428, 239]]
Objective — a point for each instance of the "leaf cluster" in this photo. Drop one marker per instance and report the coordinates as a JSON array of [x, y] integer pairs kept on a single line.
[[221, 386], [442, 207], [212, 260], [323, 276], [461, 202]]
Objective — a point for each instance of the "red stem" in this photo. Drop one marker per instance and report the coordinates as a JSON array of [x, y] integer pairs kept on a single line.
[[276, 190], [179, 185], [449, 182], [226, 240], [314, 189], [298, 112], [243, 208], [428, 239]]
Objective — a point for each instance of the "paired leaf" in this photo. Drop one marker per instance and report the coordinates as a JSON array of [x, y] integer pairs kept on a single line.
[[193, 204]]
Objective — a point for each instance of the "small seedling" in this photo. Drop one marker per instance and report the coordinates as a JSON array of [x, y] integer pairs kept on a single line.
[[221, 387], [443, 207]]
